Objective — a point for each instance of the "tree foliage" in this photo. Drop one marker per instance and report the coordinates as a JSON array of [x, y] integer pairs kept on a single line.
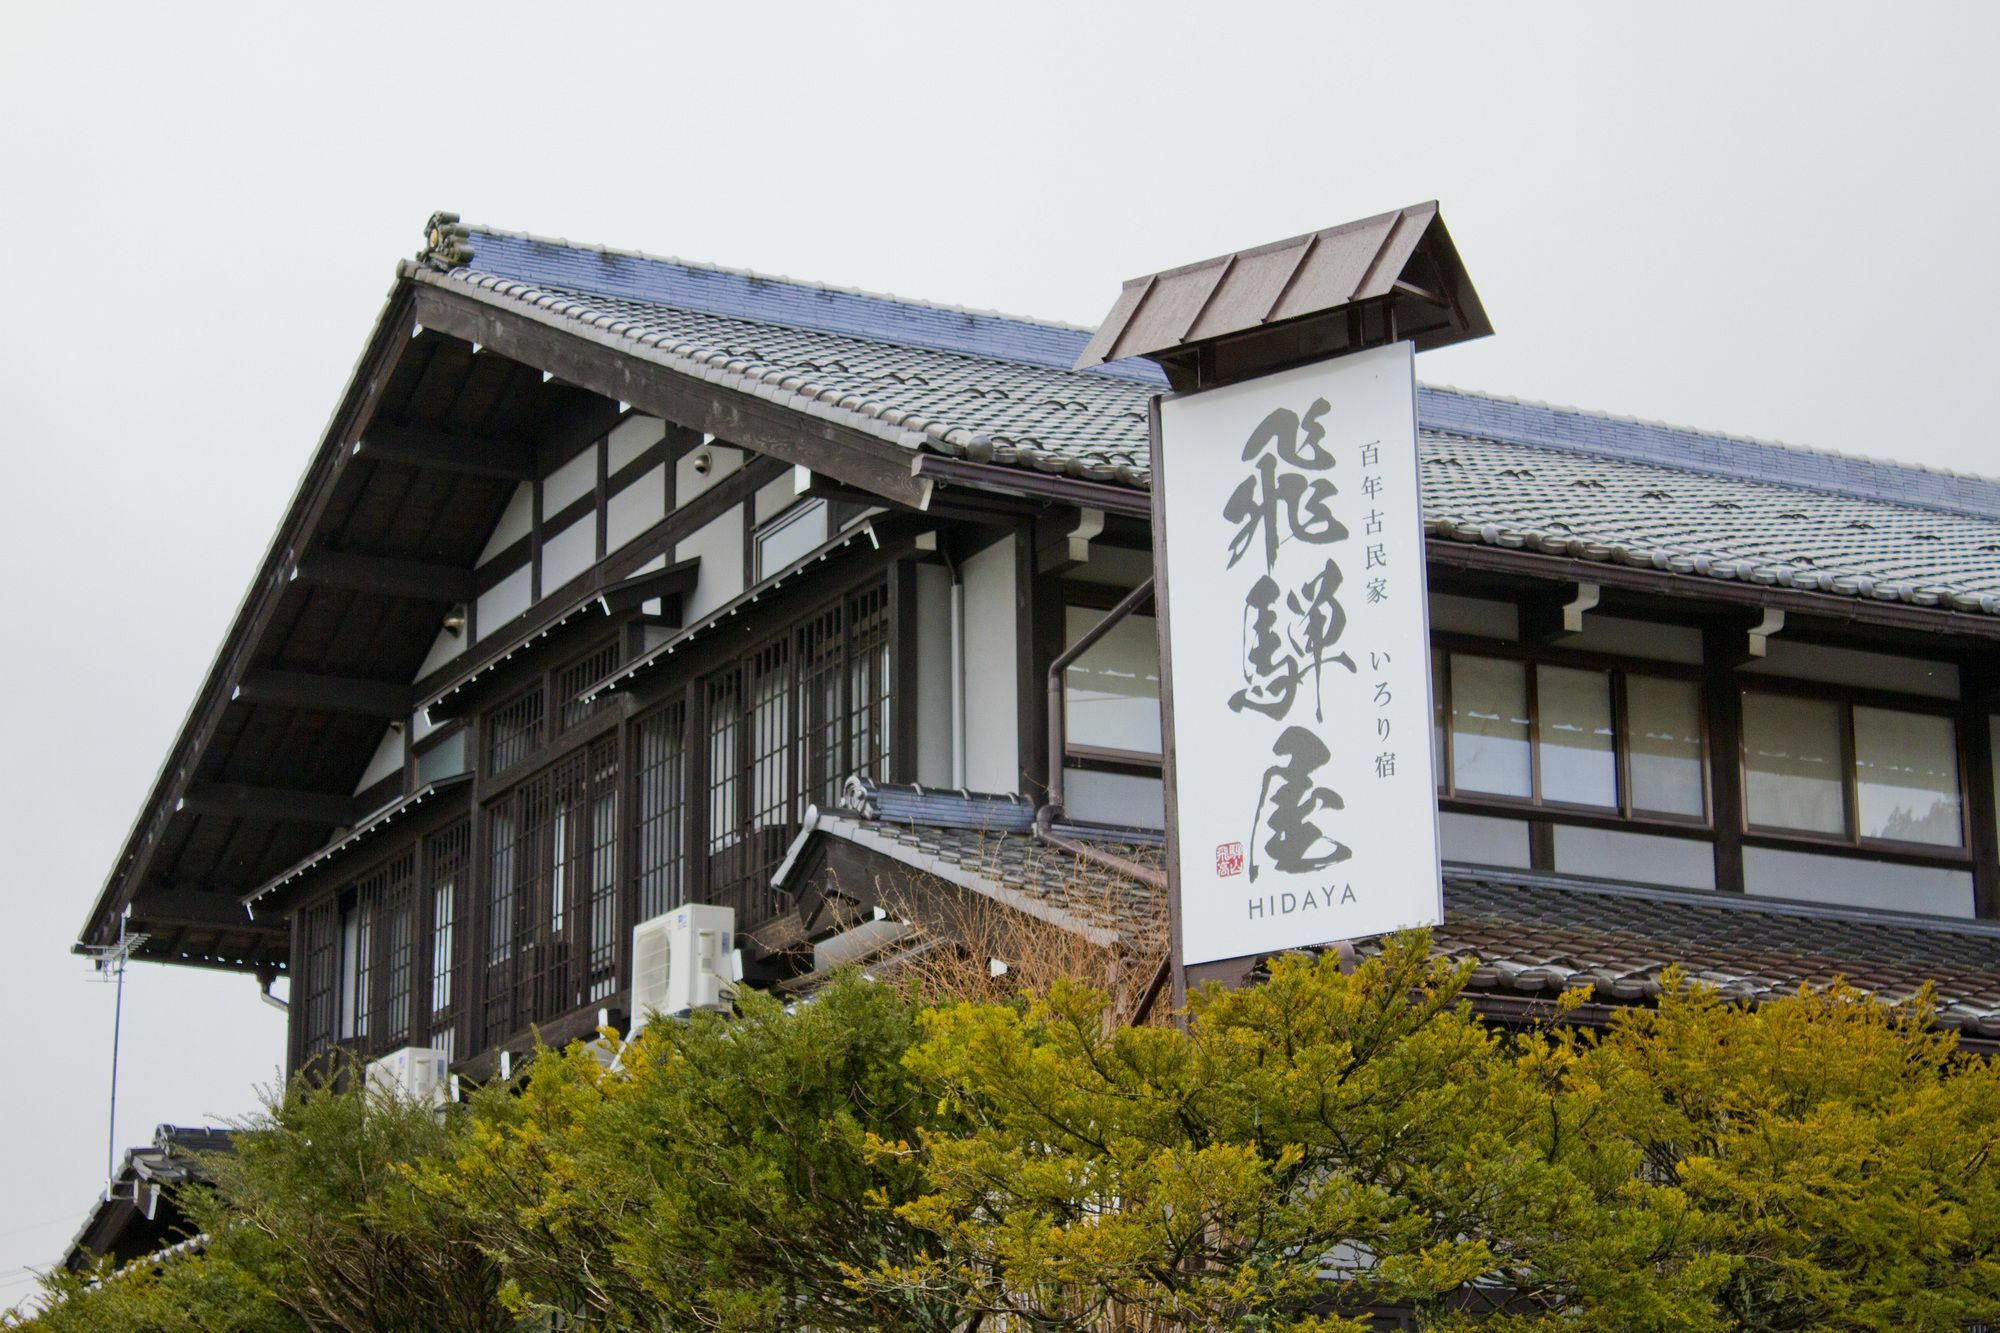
[[1296, 1156]]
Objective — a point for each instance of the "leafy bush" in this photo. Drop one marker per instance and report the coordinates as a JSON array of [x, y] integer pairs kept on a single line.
[[1298, 1155]]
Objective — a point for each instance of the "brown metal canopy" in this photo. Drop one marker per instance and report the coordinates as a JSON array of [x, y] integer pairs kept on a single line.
[[1381, 279]]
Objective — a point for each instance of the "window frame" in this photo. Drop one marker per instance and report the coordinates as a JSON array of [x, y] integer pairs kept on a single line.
[[1847, 698], [1622, 815], [1103, 597]]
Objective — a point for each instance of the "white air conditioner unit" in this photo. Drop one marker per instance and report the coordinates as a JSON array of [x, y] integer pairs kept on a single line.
[[412, 1074], [682, 961]]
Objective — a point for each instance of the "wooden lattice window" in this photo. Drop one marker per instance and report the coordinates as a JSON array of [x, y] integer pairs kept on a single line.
[[579, 675], [659, 793], [514, 729], [447, 854], [553, 920], [786, 725], [319, 976]]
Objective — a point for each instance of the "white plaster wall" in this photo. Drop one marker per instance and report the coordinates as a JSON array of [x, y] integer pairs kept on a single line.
[[719, 544], [1482, 841], [504, 600], [630, 438], [1451, 614], [1844, 882], [1637, 638], [933, 676], [1854, 666], [724, 459], [569, 553], [445, 648], [515, 522], [1679, 863], [775, 496], [992, 687], [572, 480], [1114, 798], [636, 508], [388, 760]]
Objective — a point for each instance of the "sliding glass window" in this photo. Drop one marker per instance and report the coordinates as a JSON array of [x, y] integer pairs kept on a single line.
[[1855, 773], [1591, 739]]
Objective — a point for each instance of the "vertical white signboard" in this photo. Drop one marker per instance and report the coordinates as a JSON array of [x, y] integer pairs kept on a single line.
[[1297, 652]]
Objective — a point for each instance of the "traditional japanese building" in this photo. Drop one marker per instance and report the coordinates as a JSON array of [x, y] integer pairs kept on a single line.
[[619, 582]]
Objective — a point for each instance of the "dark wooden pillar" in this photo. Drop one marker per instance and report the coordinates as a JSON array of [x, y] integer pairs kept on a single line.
[[1722, 706]]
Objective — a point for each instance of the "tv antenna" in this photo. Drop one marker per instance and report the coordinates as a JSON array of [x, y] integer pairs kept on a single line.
[[110, 960]]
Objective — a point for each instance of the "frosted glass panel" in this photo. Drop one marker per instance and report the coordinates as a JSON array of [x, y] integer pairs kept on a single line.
[[1489, 726], [791, 537], [1664, 718], [1906, 765], [1579, 754], [1792, 764], [1113, 691]]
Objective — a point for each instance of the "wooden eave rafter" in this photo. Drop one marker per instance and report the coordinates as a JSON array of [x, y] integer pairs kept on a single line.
[[611, 367], [386, 342]]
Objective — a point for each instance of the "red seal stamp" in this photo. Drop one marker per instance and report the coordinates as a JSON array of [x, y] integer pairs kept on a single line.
[[1229, 859]]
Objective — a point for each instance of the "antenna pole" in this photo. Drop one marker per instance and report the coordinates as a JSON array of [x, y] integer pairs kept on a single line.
[[117, 1030]]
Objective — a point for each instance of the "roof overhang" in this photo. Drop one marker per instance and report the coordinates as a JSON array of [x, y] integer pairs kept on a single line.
[[452, 794], [1395, 276]]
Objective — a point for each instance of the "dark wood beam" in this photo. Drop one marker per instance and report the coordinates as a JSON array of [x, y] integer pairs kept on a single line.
[[385, 699], [446, 451], [237, 801], [157, 908], [386, 577], [557, 345]]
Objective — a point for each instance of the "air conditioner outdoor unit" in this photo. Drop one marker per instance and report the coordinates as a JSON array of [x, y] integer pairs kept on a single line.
[[412, 1074], [683, 960]]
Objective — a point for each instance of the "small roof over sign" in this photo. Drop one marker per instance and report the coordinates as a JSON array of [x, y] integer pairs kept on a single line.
[[1389, 277]]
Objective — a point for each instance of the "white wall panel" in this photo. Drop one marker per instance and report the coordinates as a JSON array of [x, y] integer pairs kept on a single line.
[[569, 553], [515, 522], [636, 508], [719, 544], [1482, 841], [445, 648], [933, 676], [1451, 614], [1645, 858], [570, 482], [1114, 798], [388, 760], [1854, 666], [688, 483], [992, 693], [503, 601], [630, 438], [1846, 882]]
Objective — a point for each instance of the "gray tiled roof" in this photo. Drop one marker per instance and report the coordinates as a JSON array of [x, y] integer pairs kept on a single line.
[[992, 388], [1538, 935]]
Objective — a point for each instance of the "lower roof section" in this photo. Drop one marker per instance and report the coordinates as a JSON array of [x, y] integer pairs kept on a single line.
[[1526, 935]]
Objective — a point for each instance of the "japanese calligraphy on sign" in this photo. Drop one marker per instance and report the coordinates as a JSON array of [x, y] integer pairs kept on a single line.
[[1296, 641]]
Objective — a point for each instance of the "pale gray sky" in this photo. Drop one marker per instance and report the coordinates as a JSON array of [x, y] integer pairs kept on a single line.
[[1766, 219]]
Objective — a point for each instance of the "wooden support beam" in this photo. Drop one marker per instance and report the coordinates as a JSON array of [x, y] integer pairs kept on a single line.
[[237, 801], [385, 699], [386, 577], [204, 909], [447, 451]]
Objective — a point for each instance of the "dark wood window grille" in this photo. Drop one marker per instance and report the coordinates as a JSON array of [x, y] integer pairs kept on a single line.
[[319, 978], [397, 916], [514, 729], [447, 855], [660, 793], [553, 924], [786, 725], [579, 675], [357, 962]]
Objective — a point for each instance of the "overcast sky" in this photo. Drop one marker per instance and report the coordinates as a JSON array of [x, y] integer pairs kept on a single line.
[[1770, 220]]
